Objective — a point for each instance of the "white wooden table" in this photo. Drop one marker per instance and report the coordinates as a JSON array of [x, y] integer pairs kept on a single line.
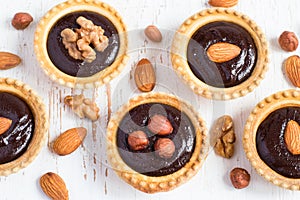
[[86, 171]]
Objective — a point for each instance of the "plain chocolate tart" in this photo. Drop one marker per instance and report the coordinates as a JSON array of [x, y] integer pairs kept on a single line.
[[149, 163], [271, 137], [216, 78], [75, 69], [23, 125]]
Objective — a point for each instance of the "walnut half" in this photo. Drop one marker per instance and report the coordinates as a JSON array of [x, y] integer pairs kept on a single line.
[[78, 42], [224, 136], [82, 106]]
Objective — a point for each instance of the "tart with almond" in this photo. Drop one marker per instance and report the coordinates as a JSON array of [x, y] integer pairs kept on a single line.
[[156, 142], [23, 125], [271, 139], [220, 53], [81, 44]]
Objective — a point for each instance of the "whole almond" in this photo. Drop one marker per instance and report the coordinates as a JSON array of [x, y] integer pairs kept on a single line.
[[8, 60], [69, 141], [223, 3], [292, 68], [292, 137], [144, 75], [222, 52], [54, 186], [160, 125], [5, 124], [153, 33]]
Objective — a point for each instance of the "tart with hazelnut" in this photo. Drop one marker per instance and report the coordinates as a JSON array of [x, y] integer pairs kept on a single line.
[[23, 125], [220, 53], [271, 139], [156, 142], [81, 43]]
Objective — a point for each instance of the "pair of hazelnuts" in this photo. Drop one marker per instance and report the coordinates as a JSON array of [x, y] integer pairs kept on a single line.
[[160, 125]]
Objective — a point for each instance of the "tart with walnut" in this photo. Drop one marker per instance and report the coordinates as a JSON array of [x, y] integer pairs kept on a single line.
[[220, 53], [271, 139], [23, 125], [81, 43], [156, 142]]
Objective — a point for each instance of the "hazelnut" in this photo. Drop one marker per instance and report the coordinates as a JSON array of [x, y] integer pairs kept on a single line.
[[288, 41], [164, 147], [138, 140], [240, 178], [160, 125], [21, 20]]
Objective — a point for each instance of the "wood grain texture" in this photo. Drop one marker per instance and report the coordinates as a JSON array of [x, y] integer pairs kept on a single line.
[[86, 171]]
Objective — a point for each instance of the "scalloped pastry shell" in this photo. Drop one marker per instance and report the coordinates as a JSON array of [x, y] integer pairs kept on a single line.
[[150, 184], [37, 107], [186, 31], [52, 16], [259, 113]]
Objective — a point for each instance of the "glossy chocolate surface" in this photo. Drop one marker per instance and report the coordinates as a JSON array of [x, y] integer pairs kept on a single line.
[[59, 54], [146, 161], [226, 74], [14, 142], [271, 145]]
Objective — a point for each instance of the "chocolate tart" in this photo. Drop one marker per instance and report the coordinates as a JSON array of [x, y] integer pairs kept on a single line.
[[144, 169], [21, 143], [214, 80], [54, 57], [264, 142]]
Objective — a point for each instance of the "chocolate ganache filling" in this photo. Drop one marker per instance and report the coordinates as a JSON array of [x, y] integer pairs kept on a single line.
[[59, 54], [146, 161], [271, 145], [226, 74], [14, 142]]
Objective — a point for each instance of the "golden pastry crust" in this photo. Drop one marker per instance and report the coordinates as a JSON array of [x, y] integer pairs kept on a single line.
[[45, 25], [38, 110], [259, 113], [192, 24], [164, 183]]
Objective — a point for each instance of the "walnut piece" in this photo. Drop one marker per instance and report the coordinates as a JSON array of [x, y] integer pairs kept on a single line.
[[82, 106], [78, 42], [224, 136]]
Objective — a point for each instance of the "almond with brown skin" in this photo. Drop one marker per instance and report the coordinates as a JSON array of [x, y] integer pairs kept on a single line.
[[223, 3], [292, 137], [222, 52], [144, 75], [160, 125], [8, 60], [153, 33], [69, 141], [54, 186], [5, 124], [292, 68]]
